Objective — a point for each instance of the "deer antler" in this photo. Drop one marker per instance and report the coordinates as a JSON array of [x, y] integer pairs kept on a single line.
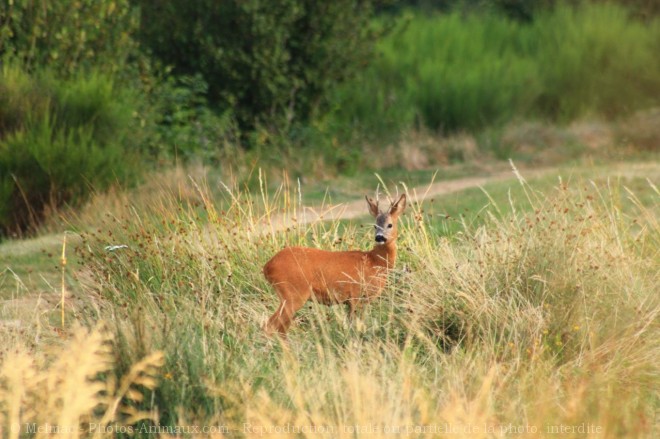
[[378, 196]]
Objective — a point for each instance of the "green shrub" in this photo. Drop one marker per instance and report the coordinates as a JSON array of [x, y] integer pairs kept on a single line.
[[446, 73], [59, 140], [595, 60], [270, 62], [67, 35], [185, 127], [456, 71]]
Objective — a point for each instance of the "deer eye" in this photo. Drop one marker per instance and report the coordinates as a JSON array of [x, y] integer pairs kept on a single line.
[[389, 226], [375, 226]]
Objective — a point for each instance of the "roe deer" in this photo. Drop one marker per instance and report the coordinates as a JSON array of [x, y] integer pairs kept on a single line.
[[301, 273]]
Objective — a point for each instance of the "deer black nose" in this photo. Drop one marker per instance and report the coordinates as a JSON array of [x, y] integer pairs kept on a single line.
[[380, 238]]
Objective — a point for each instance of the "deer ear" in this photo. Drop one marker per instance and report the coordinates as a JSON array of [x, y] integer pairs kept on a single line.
[[398, 207], [373, 206]]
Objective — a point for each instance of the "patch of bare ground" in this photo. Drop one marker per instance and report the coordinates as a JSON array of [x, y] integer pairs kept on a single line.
[[355, 209]]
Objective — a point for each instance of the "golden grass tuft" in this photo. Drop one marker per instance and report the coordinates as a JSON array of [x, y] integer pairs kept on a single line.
[[74, 393]]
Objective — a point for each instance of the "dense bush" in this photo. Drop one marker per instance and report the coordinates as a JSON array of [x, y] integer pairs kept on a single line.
[[523, 10], [185, 127], [68, 35], [271, 62], [456, 72], [446, 73], [595, 60], [59, 140]]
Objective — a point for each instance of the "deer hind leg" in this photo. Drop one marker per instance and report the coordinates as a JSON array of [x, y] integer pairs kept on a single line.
[[355, 308], [290, 302], [356, 302]]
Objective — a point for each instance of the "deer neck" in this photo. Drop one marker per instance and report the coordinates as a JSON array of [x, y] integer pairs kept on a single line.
[[385, 254]]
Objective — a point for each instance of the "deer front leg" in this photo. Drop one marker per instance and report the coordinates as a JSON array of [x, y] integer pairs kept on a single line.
[[355, 307], [291, 302]]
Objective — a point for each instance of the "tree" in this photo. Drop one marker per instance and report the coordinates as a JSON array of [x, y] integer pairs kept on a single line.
[[270, 62]]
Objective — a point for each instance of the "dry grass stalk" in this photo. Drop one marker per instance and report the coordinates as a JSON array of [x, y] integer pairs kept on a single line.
[[63, 396]]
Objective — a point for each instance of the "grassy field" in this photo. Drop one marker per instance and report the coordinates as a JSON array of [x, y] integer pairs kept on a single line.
[[524, 301], [522, 307]]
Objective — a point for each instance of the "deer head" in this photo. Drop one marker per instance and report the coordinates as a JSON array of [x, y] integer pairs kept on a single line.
[[385, 227]]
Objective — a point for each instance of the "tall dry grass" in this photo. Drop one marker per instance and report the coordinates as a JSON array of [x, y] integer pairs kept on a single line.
[[540, 322], [73, 392]]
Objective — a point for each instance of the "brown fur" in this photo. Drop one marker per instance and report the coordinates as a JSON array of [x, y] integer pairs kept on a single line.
[[299, 274]]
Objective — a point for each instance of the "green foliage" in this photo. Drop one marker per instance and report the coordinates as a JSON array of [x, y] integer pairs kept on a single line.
[[67, 35], [59, 140], [446, 73], [644, 9], [185, 126], [458, 72], [595, 60], [523, 10], [271, 62]]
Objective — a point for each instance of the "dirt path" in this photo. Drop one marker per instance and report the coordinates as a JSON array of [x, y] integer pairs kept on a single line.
[[357, 208]]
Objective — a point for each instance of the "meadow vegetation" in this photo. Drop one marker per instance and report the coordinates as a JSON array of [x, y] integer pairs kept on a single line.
[[537, 311], [156, 181], [456, 72]]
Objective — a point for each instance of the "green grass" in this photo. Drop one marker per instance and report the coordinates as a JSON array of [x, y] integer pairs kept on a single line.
[[36, 262], [551, 292], [456, 72], [470, 208], [344, 188], [451, 213], [31, 266]]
